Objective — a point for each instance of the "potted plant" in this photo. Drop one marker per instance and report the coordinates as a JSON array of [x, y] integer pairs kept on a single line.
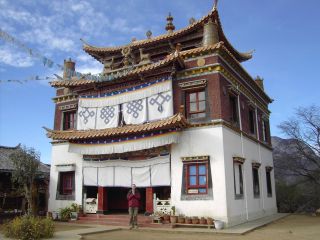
[[181, 218], [203, 220], [74, 211], [188, 220], [173, 217], [210, 221], [65, 214], [166, 217], [195, 220]]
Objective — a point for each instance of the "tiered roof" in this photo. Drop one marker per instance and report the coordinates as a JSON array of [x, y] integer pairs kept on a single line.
[[176, 121], [100, 53]]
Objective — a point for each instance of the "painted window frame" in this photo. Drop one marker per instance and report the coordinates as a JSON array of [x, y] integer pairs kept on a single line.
[[269, 182], [198, 186], [239, 165], [188, 102], [66, 186], [256, 182], [69, 124], [234, 109], [252, 122]]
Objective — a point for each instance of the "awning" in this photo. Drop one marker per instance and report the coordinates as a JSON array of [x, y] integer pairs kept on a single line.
[[66, 167], [123, 173]]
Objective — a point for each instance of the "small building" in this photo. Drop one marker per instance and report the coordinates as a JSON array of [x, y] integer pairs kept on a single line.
[[11, 198], [176, 114]]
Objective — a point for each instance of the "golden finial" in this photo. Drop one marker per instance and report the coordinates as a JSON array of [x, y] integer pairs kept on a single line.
[[170, 27], [215, 5]]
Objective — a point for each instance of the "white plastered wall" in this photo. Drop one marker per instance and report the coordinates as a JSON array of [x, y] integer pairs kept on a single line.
[[248, 208], [60, 156], [199, 142]]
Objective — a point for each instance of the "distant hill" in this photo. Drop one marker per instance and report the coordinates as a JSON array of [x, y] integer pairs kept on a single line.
[[282, 150]]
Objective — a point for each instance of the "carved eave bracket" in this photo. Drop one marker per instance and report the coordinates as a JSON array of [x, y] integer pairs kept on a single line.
[[256, 165], [204, 158], [238, 159], [193, 84]]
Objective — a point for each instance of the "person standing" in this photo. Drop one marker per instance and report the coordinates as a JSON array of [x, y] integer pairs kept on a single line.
[[133, 197]]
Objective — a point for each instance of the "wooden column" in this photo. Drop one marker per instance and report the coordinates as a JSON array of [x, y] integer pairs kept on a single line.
[[102, 200], [149, 199]]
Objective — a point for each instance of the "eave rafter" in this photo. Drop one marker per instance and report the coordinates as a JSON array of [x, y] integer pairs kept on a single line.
[[176, 121]]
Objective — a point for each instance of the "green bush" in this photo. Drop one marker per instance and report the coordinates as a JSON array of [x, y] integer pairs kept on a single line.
[[65, 213], [29, 228]]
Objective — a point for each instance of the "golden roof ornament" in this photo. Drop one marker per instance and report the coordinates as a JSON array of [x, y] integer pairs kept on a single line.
[[192, 20], [215, 5], [149, 34], [170, 27]]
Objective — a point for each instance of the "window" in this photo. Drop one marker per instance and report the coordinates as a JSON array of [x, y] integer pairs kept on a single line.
[[197, 178], [252, 121], [196, 104], [69, 120], [269, 186], [234, 109], [256, 186], [66, 183], [265, 130], [238, 180]]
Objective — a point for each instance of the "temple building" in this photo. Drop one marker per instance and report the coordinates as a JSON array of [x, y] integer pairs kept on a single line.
[[175, 114]]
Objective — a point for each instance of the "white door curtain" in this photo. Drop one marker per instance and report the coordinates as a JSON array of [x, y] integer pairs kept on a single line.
[[139, 104], [123, 173], [146, 141]]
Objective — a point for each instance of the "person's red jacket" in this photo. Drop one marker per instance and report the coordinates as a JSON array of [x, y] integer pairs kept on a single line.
[[133, 199]]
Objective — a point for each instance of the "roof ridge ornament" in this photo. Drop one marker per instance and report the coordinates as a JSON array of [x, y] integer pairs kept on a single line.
[[170, 27], [215, 5]]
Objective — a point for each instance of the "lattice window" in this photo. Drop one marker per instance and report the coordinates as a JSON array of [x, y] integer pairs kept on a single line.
[[196, 104], [69, 120]]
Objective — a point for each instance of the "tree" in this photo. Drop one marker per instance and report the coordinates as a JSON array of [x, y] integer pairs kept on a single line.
[[26, 162], [304, 130]]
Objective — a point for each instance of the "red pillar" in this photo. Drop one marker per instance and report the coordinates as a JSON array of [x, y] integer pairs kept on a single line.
[[149, 199], [102, 200]]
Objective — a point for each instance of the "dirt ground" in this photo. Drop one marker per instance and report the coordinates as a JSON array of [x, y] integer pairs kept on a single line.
[[293, 227], [61, 227]]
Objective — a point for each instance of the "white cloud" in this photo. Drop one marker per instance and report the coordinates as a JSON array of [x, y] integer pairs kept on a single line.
[[13, 58]]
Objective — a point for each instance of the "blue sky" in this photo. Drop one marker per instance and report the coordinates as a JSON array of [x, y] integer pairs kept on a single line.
[[284, 33]]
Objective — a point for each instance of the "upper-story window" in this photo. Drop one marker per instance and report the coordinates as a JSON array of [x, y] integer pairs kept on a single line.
[[69, 120], [265, 130], [252, 118], [196, 104], [234, 114]]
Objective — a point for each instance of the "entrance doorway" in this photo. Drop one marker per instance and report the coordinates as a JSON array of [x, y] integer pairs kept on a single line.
[[117, 199]]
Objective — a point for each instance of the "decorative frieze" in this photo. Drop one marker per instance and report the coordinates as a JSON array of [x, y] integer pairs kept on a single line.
[[269, 168], [256, 164], [68, 107], [195, 158], [193, 84], [238, 159]]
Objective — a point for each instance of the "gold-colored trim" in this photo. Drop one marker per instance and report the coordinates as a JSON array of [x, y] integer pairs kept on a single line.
[[195, 158], [239, 159], [256, 165], [193, 84]]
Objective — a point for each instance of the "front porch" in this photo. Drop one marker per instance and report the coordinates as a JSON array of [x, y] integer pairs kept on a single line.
[[113, 200]]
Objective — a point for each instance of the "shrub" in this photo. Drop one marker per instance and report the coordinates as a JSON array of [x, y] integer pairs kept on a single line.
[[65, 213], [29, 228]]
